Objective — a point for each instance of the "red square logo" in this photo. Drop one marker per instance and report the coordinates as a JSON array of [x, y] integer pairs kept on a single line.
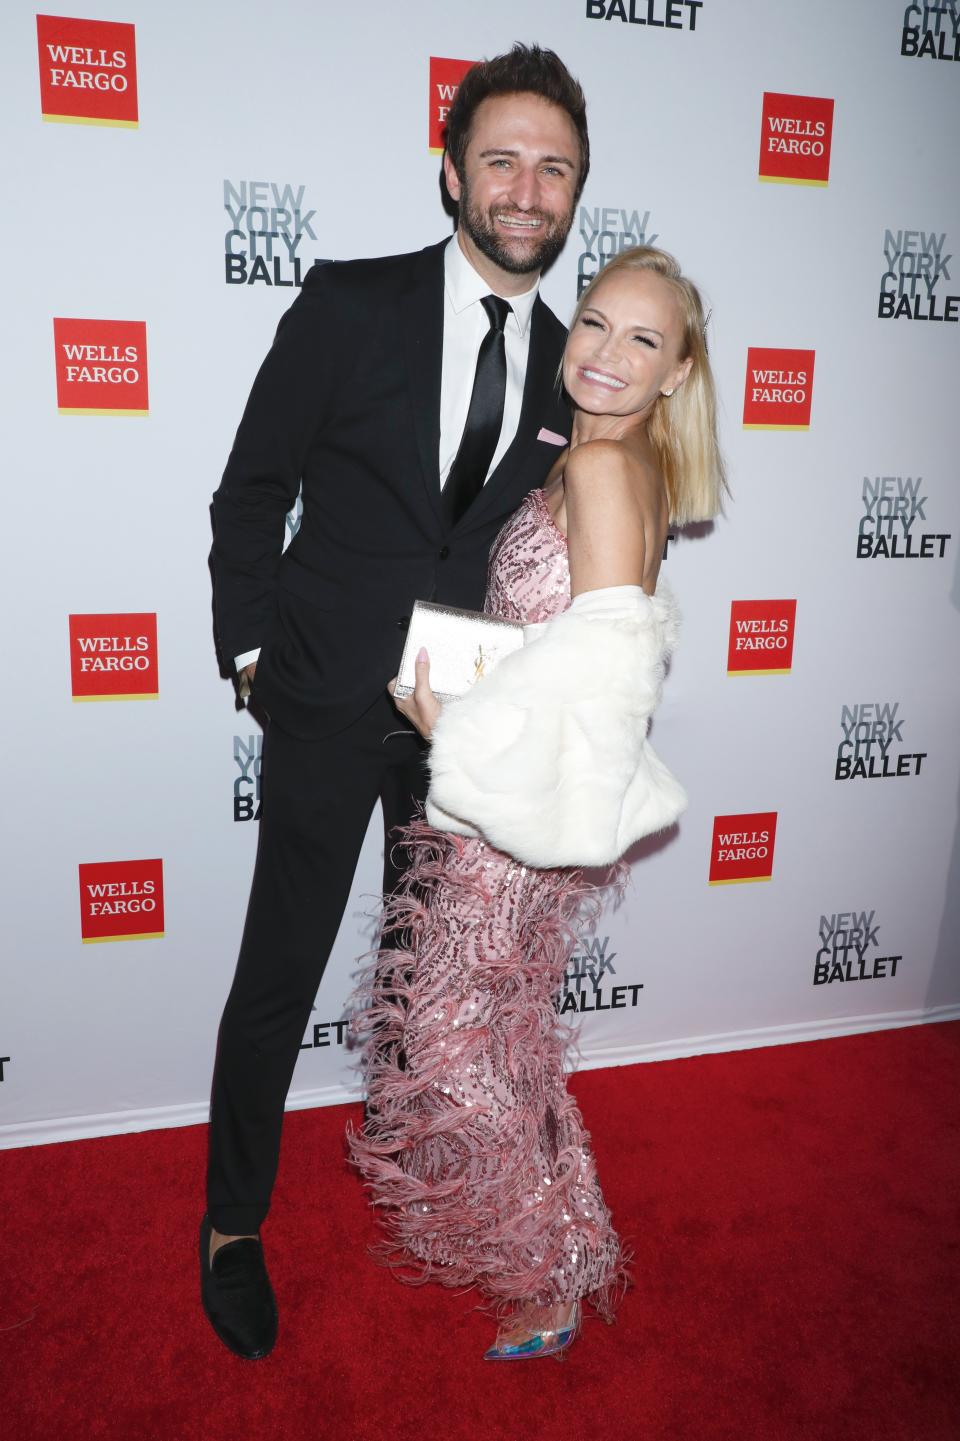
[[101, 367], [761, 637], [795, 136], [88, 71], [779, 389], [445, 76], [121, 900], [114, 657], [742, 848]]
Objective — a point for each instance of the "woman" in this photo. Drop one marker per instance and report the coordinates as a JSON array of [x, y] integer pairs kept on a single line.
[[472, 1147]]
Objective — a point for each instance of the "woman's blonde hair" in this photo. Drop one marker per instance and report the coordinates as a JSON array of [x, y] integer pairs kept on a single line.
[[682, 427]]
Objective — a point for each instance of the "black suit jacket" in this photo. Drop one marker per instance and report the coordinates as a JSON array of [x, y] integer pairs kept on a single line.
[[348, 403]]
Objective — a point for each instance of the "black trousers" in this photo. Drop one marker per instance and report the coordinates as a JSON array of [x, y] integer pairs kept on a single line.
[[317, 799]]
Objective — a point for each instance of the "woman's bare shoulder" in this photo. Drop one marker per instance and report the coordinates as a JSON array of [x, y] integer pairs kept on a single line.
[[597, 460], [609, 470]]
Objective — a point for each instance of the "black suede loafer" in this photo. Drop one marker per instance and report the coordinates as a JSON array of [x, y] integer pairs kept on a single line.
[[237, 1296]]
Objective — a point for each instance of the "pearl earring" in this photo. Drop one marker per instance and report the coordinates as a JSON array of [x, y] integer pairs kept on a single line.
[[666, 392]]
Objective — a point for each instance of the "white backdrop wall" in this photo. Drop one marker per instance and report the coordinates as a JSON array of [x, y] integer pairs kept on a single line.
[[107, 514]]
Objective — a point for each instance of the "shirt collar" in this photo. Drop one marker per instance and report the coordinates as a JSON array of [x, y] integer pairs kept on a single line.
[[465, 287]]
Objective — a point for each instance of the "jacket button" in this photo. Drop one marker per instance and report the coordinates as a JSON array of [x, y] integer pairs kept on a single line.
[[444, 552], [403, 623]]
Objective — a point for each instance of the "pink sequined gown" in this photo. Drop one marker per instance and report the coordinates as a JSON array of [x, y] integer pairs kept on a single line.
[[474, 1151]]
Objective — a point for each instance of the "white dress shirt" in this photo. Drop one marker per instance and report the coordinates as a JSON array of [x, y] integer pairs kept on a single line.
[[465, 323]]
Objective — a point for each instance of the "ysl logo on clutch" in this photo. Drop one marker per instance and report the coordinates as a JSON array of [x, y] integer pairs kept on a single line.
[[479, 664]]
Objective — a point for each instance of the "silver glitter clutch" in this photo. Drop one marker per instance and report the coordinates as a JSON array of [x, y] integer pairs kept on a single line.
[[463, 646]]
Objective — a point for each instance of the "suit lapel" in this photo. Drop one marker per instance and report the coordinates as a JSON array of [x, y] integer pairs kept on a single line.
[[421, 326], [537, 404]]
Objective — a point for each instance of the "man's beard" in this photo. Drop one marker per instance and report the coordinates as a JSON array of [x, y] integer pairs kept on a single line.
[[481, 228]]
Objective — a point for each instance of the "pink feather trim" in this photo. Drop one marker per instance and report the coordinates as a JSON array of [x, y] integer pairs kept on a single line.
[[473, 1150]]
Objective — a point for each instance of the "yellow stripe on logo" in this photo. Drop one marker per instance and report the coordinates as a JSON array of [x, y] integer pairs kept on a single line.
[[143, 936], [92, 120], [739, 880], [790, 180]]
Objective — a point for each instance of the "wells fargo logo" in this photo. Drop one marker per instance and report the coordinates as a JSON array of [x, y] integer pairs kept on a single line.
[[779, 389], [742, 848], [114, 657], [795, 136], [88, 71], [101, 367], [121, 900], [445, 76], [761, 637]]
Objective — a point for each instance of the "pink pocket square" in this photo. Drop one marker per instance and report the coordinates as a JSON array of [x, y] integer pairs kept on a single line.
[[551, 437]]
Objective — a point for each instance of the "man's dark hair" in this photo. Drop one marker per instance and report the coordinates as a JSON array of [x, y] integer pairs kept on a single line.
[[526, 70]]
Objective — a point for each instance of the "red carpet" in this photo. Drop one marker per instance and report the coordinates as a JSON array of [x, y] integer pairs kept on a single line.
[[793, 1215]]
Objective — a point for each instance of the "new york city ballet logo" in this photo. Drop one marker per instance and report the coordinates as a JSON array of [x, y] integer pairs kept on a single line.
[[114, 657], [916, 277], [655, 14], [931, 31], [605, 231], [267, 224], [88, 71], [101, 367], [445, 77], [849, 950], [761, 637], [870, 732], [320, 1034], [121, 900], [248, 758], [583, 981], [779, 390], [889, 530], [742, 847], [795, 137]]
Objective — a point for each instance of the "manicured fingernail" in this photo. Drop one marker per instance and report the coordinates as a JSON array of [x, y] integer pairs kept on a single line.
[[422, 654]]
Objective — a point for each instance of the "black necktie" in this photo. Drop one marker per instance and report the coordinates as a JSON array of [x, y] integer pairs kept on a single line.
[[484, 418]]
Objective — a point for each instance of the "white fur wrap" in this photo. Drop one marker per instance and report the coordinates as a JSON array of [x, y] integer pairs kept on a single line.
[[547, 757]]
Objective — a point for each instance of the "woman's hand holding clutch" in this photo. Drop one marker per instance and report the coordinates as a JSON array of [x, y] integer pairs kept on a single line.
[[422, 708]]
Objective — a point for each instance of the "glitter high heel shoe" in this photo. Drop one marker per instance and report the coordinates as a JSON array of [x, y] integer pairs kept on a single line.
[[544, 1342]]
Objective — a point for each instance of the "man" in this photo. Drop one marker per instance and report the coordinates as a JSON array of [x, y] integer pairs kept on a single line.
[[415, 400]]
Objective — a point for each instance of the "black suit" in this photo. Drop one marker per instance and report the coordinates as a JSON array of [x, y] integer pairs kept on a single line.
[[347, 403]]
